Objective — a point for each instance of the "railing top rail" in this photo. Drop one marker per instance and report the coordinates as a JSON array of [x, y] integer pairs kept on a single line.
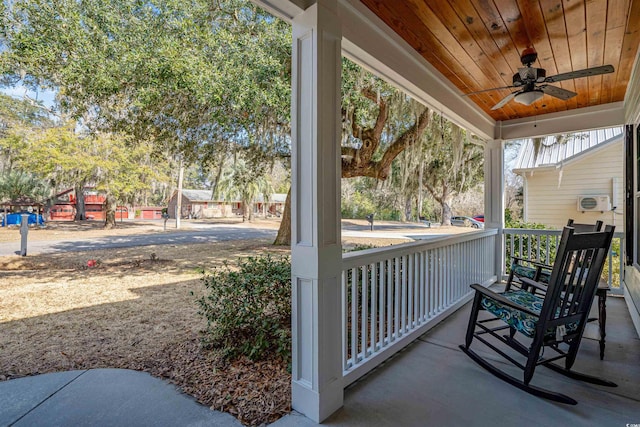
[[543, 232], [531, 231], [368, 256]]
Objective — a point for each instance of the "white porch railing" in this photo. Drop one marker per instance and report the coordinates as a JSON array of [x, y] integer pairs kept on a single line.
[[390, 296], [541, 245]]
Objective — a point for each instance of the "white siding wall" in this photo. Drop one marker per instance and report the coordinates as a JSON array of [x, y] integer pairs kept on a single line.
[[632, 294], [550, 204]]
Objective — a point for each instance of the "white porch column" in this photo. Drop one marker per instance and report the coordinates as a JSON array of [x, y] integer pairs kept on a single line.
[[494, 196], [316, 251]]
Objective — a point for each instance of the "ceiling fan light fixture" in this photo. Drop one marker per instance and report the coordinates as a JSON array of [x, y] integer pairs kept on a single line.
[[528, 98]]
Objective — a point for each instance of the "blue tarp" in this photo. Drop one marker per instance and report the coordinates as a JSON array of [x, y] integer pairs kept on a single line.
[[16, 219]]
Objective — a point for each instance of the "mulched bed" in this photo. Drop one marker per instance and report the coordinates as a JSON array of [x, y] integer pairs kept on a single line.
[[254, 392]]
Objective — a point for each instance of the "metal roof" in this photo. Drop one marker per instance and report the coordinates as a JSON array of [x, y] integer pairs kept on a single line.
[[273, 198], [552, 154]]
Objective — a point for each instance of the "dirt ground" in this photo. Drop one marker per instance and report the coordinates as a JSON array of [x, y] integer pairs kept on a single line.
[[134, 308]]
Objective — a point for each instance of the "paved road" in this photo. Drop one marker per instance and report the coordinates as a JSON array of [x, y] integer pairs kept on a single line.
[[213, 233], [203, 233]]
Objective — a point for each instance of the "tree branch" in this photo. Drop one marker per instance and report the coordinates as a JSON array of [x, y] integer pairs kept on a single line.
[[407, 139], [383, 111]]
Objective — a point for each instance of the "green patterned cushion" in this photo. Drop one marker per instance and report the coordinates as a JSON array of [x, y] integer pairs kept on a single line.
[[522, 322], [530, 272]]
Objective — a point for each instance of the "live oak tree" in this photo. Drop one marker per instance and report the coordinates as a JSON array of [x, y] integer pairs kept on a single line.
[[192, 78], [378, 123], [453, 164], [18, 119], [65, 157]]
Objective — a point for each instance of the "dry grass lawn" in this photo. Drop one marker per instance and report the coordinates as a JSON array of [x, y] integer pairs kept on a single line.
[[134, 312], [136, 309]]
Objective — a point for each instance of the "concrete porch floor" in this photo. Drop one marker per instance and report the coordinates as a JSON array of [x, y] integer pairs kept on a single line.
[[432, 383]]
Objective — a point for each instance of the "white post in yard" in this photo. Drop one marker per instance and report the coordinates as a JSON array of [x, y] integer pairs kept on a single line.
[[316, 251], [24, 232], [494, 197]]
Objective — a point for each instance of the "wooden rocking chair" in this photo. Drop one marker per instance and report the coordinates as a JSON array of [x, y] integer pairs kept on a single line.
[[555, 321]]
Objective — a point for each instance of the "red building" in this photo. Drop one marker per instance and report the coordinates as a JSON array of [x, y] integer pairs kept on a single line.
[[65, 206], [94, 205]]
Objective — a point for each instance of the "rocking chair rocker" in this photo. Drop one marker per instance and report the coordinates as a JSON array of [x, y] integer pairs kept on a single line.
[[555, 320]]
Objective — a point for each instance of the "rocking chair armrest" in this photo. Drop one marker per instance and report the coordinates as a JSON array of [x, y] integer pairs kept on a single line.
[[519, 258], [536, 285], [502, 300], [535, 262], [542, 265]]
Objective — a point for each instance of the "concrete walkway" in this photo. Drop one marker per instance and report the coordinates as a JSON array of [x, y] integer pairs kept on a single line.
[[102, 397]]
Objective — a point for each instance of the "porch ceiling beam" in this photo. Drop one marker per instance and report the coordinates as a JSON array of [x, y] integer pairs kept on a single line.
[[597, 117], [284, 9]]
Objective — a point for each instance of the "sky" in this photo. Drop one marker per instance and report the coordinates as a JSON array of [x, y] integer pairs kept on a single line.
[[46, 96]]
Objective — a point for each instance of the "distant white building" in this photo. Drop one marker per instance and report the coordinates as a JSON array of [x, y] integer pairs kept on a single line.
[[580, 178], [199, 204]]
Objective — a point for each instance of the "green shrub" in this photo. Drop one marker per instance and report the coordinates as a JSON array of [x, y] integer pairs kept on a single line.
[[540, 248], [248, 308]]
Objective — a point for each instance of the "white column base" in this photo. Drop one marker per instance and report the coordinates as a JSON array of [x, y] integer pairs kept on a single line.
[[317, 406]]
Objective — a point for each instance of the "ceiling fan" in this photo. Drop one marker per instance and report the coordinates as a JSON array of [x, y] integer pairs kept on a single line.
[[532, 82]]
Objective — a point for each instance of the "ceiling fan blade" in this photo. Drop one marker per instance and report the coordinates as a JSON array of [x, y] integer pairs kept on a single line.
[[557, 92], [587, 72], [505, 100], [488, 90]]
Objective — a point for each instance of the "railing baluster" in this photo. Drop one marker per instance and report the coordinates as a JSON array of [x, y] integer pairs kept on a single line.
[[410, 283], [390, 300], [382, 271], [449, 266], [365, 312], [403, 299], [417, 302], [432, 284], [396, 304], [423, 286], [345, 321], [374, 306], [436, 282], [441, 280], [354, 315]]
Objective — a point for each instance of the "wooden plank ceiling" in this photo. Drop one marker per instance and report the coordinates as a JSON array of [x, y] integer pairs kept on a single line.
[[477, 44]]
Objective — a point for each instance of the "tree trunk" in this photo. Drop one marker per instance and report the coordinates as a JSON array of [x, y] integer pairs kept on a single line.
[[216, 180], [445, 204], [407, 208], [248, 204], [80, 210], [284, 233], [109, 212], [179, 194]]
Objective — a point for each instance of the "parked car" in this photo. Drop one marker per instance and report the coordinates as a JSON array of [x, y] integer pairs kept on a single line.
[[465, 221], [479, 218]]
